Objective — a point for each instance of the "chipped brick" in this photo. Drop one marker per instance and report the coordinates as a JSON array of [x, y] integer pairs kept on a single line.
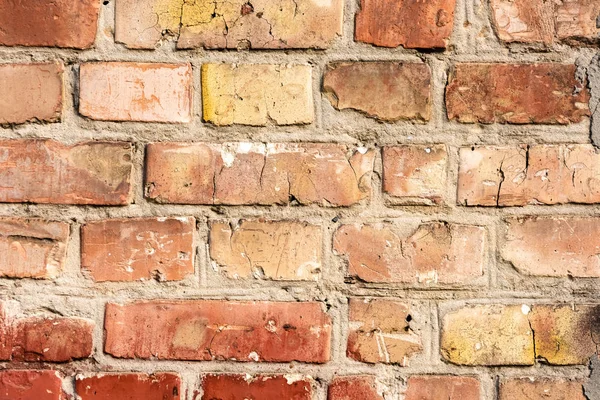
[[31, 385], [257, 387]]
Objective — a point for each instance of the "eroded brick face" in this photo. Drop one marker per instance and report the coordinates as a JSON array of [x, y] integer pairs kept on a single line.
[[246, 173], [541, 388], [256, 387], [360, 387], [138, 249], [259, 24], [433, 387], [59, 23], [219, 330], [31, 384], [267, 250], [516, 93], [407, 23], [30, 92], [434, 253], [160, 386], [383, 90]]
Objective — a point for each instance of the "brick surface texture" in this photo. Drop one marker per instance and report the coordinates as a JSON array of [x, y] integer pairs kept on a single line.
[[299, 199]]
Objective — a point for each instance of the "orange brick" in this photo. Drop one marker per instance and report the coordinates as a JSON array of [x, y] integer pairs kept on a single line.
[[256, 387], [441, 387], [360, 387], [30, 385], [541, 388]]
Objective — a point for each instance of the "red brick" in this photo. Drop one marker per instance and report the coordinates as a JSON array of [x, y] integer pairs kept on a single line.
[[218, 330], [244, 173], [30, 92], [538, 21], [435, 253], [541, 388], [146, 92], [521, 175], [30, 385], [442, 387], [380, 332], [516, 93], [32, 248], [387, 91], [229, 25], [556, 246], [256, 387], [159, 386], [408, 23], [138, 249], [45, 171], [415, 174], [56, 23], [354, 388]]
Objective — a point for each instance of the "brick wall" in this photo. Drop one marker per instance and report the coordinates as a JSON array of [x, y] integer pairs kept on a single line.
[[298, 199]]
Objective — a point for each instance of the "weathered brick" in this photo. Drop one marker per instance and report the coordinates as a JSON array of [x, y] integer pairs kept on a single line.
[[218, 330], [31, 385], [245, 173], [56, 23], [138, 249], [415, 174], [159, 386], [539, 21], [408, 23], [30, 92], [285, 250], [45, 171], [360, 387], [488, 335], [290, 387], [435, 253], [388, 91], [555, 246], [520, 175], [541, 388], [260, 24], [32, 248], [516, 93], [146, 92], [432, 387], [254, 94], [380, 332]]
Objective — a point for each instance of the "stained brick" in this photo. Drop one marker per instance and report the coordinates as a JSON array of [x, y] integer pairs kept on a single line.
[[285, 250], [30, 92], [245, 173], [146, 92], [290, 387], [541, 388], [159, 386], [387, 91], [516, 93], [134, 249], [441, 387], [360, 387], [218, 330], [45, 171], [31, 385]]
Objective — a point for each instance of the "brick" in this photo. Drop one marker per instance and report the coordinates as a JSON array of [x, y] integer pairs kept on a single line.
[[442, 387], [290, 387], [492, 335], [255, 94], [556, 246], [538, 21], [360, 387], [30, 92], [516, 93], [541, 388], [57, 23], [145, 92], [138, 249], [32, 248], [238, 24], [159, 386], [434, 253], [380, 332], [218, 330], [387, 91], [415, 174], [245, 173], [30, 384], [45, 171], [521, 175], [407, 23], [284, 250]]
